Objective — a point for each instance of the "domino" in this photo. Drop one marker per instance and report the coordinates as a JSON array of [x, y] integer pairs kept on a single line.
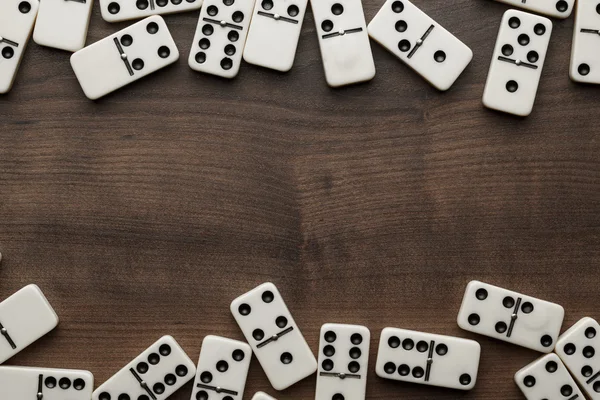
[[577, 348], [262, 396], [343, 41], [343, 362], [21, 383], [517, 63], [156, 374], [220, 37], [547, 378], [274, 33], [16, 23], [123, 10], [222, 369], [420, 42], [510, 316], [428, 359], [124, 57], [63, 24], [25, 317], [553, 8], [585, 57], [274, 336]]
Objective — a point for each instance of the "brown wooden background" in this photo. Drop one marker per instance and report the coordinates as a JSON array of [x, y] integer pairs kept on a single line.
[[147, 212]]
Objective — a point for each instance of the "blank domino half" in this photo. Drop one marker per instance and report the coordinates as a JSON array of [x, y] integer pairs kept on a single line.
[[63, 24]]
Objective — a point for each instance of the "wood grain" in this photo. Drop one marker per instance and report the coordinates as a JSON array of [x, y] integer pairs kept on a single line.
[[147, 212]]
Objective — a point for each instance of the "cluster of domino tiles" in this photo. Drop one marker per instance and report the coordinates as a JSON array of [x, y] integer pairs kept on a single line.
[[275, 339], [266, 33]]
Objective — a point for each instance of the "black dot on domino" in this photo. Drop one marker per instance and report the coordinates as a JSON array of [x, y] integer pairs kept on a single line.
[[587, 371], [181, 370], [465, 379], [161, 3], [138, 64], [355, 353], [337, 9], [222, 366], [327, 365], [529, 381], [286, 358], [408, 344], [562, 6], [527, 307], [152, 28], [356, 339], [258, 334], [142, 367], [105, 396], [141, 4], [501, 327], [570, 349], [153, 358], [404, 370], [418, 372], [24, 7], [354, 367], [330, 336], [114, 8], [590, 333], [397, 7], [158, 388], [202, 395], [588, 352], [597, 386], [394, 342], [422, 346], [170, 379], [238, 355], [206, 377], [551, 367], [238, 17], [566, 390], [50, 382], [327, 25], [512, 86], [268, 296], [8, 52], [329, 351], [164, 350], [546, 341], [79, 384], [124, 396], [64, 383], [281, 322], [338, 396], [233, 36], [508, 301], [474, 319], [401, 26], [389, 368], [441, 349], [243, 309]]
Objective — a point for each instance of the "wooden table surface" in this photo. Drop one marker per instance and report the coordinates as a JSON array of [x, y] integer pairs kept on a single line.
[[147, 212]]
